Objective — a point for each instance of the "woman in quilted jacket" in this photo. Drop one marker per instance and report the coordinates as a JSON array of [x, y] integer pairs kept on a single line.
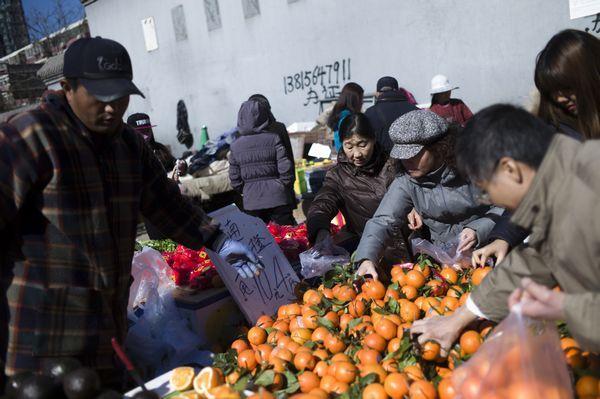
[[260, 168]]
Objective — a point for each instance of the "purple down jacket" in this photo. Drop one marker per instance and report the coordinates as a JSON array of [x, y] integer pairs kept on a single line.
[[259, 166]]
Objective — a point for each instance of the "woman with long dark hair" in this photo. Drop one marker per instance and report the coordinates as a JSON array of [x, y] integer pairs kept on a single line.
[[350, 102], [567, 74]]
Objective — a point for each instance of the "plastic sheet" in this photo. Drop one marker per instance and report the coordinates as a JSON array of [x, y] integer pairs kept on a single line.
[[321, 257]]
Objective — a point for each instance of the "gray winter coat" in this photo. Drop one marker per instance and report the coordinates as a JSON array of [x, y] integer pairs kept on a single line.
[[445, 201], [259, 166]]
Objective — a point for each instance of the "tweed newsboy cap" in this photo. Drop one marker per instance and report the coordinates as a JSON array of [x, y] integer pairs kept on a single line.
[[414, 130]]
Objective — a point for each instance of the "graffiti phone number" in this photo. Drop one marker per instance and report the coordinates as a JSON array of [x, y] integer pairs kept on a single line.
[[320, 75]]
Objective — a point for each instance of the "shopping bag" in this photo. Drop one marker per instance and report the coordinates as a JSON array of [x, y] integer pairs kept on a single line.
[[521, 359], [319, 259], [446, 253]]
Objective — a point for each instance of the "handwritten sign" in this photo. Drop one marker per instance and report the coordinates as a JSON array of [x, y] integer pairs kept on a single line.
[[274, 286], [320, 81], [583, 8]]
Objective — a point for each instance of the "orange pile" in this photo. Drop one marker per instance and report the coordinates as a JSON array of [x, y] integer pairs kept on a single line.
[[340, 341]]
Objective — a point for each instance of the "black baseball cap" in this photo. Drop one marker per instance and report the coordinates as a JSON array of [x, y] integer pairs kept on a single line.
[[102, 66], [387, 81], [139, 121]]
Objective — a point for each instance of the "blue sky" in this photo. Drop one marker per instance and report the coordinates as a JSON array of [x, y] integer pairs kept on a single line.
[[47, 7]]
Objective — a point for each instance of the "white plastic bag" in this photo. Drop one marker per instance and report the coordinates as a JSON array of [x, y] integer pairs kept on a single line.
[[160, 337], [445, 253], [319, 259], [521, 359]]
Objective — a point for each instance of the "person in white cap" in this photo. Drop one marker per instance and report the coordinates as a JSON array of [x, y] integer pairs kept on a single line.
[[454, 110]]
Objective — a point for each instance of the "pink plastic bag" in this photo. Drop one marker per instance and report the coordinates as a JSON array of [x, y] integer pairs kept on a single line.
[[521, 359]]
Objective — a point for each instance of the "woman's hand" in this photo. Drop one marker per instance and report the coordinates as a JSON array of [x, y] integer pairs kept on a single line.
[[467, 240], [415, 221], [367, 268], [498, 249]]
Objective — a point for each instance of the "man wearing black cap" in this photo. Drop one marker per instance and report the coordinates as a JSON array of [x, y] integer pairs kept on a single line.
[[390, 104], [73, 180], [140, 123]]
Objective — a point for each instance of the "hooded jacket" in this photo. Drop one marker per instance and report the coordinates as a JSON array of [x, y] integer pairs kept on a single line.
[[389, 106], [259, 167], [562, 211], [354, 191], [445, 201]]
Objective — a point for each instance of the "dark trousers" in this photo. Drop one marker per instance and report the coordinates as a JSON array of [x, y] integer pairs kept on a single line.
[[282, 215]]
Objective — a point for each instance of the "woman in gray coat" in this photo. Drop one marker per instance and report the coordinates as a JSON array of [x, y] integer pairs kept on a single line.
[[447, 203]]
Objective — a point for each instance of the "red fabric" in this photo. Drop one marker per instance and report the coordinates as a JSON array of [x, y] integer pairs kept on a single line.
[[455, 111]]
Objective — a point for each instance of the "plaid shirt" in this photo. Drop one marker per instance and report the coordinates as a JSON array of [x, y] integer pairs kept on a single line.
[[69, 206]]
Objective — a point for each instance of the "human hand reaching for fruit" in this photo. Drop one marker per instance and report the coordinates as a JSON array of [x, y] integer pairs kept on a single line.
[[367, 268], [538, 301], [415, 221], [497, 249], [467, 240]]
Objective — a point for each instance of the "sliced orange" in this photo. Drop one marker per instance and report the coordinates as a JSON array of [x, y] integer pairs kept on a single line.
[[181, 378], [207, 379]]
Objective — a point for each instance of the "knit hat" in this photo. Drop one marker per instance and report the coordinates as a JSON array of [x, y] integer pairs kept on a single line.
[[413, 131]]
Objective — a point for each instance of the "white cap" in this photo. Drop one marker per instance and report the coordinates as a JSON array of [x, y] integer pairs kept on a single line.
[[441, 84]]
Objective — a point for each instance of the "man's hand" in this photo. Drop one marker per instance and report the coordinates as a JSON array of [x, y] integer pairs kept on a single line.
[[498, 249], [415, 221], [467, 239], [240, 256], [367, 268], [442, 329], [538, 301]]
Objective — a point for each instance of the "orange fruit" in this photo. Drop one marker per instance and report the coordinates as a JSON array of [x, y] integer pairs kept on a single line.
[[321, 354], [368, 356], [373, 369], [334, 344], [394, 345], [443, 371], [334, 318], [409, 311], [340, 357], [182, 378], [375, 341], [423, 268], [310, 319], [357, 308], [449, 274], [239, 345], [455, 291], [328, 383], [301, 335], [446, 389], [391, 293], [587, 387], [283, 341], [345, 293], [390, 365], [264, 321], [449, 303], [422, 390], [396, 385], [374, 391], [437, 287], [345, 372], [409, 292], [386, 329], [312, 297], [318, 393], [207, 379], [282, 326], [345, 319], [304, 361], [373, 289], [262, 394], [399, 277], [340, 387], [274, 337], [319, 334], [321, 368], [257, 336], [479, 274], [573, 352], [414, 372], [279, 365], [415, 278], [263, 353], [247, 360], [294, 309], [233, 377], [308, 381], [430, 351], [469, 342], [281, 353], [223, 392]]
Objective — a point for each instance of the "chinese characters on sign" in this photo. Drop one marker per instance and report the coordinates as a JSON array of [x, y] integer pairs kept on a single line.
[[595, 25], [319, 82]]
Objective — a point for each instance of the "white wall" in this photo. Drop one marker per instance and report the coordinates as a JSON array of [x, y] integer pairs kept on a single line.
[[487, 47]]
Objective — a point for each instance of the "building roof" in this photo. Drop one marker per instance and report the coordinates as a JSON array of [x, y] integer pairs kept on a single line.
[[53, 68]]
